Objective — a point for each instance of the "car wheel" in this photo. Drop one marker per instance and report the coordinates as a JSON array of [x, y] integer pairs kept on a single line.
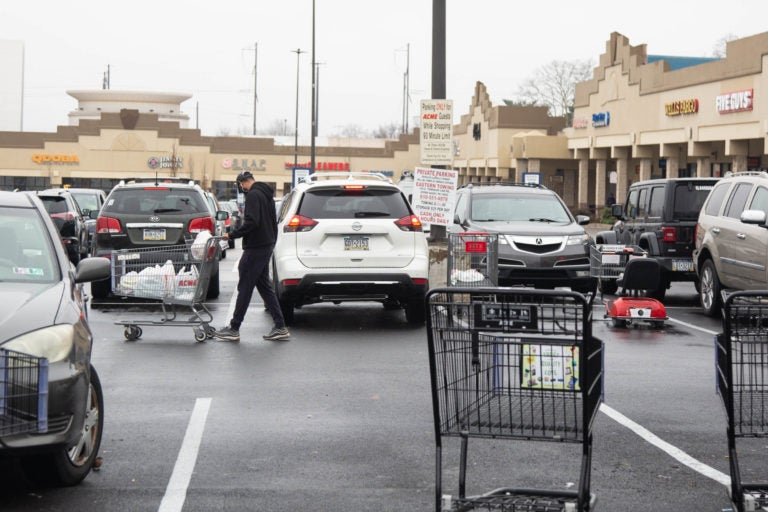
[[100, 289], [213, 285], [415, 311], [709, 284], [608, 286], [69, 466]]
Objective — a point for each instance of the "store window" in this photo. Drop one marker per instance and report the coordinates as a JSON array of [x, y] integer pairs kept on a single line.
[[24, 183]]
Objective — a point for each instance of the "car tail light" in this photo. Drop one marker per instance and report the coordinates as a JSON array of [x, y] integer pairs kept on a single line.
[[107, 226], [669, 234], [291, 282], [409, 223], [299, 224], [354, 187], [201, 224], [420, 281], [67, 216]]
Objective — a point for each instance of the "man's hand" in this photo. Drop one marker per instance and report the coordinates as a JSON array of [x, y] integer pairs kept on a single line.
[[225, 236]]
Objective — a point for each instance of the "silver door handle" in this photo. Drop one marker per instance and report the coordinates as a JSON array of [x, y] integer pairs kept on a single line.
[[741, 236], [716, 231]]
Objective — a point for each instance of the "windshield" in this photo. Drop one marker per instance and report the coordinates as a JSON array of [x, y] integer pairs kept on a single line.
[[26, 254], [86, 201], [521, 208], [154, 200]]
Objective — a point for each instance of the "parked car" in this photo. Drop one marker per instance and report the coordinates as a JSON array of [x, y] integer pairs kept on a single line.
[[350, 237], [142, 214], [90, 201], [66, 214], [660, 217], [540, 243], [234, 220], [732, 238], [220, 215], [45, 315]]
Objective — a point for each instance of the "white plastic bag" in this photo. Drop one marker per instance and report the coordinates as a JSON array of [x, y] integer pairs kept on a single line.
[[198, 246], [185, 284], [156, 282]]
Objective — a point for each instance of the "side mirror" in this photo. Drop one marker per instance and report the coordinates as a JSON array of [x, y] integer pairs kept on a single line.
[[92, 269], [617, 210], [222, 215], [456, 219], [583, 219], [753, 217]]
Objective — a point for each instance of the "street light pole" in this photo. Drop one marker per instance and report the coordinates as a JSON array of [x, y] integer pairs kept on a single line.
[[298, 53], [313, 127]]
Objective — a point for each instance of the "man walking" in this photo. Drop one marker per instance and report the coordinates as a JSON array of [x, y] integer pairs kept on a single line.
[[259, 233]]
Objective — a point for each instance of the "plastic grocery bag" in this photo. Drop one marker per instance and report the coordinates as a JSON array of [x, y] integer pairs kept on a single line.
[[156, 282], [198, 246], [185, 284], [128, 282]]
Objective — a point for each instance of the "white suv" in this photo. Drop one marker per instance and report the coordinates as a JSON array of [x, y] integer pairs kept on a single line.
[[350, 237]]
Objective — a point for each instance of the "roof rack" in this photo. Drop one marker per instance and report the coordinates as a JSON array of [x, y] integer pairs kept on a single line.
[[503, 184], [159, 179], [352, 175], [746, 173]]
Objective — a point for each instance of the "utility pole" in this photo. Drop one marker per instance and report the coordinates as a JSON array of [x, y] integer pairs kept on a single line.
[[313, 127], [406, 86], [298, 53], [438, 77], [255, 76]]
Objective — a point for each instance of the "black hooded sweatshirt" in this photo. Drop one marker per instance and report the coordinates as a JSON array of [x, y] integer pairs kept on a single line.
[[259, 228]]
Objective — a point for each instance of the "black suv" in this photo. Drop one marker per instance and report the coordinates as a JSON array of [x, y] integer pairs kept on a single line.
[[66, 214], [660, 216], [540, 243], [152, 213]]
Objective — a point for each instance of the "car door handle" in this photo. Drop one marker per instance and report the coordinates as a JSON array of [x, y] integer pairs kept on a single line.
[[716, 231], [741, 236]]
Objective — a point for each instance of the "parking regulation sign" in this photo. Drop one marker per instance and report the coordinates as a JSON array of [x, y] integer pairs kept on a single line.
[[436, 133]]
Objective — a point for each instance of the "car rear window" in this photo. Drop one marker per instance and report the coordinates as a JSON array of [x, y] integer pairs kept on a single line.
[[155, 200], [340, 203], [689, 198], [55, 204]]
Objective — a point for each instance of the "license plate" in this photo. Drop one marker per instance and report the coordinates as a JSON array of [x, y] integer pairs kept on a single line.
[[640, 312], [154, 234], [357, 243], [682, 265]]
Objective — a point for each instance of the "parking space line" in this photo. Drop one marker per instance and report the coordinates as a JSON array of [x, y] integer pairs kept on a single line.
[[176, 492], [692, 326], [664, 446]]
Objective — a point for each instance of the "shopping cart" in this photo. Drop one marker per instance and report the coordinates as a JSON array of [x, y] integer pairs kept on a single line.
[[742, 383], [473, 259], [23, 393], [607, 262], [513, 364], [176, 275]]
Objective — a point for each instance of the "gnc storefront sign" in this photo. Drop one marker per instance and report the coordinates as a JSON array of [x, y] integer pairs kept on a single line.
[[738, 101], [55, 158]]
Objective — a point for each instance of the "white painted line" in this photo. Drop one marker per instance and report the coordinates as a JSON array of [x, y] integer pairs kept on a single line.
[[664, 446], [692, 326], [176, 492]]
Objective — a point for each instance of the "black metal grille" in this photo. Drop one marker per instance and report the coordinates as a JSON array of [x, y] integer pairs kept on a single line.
[[23, 393]]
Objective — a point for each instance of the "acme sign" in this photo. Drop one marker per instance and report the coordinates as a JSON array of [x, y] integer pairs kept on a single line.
[[738, 101], [676, 108]]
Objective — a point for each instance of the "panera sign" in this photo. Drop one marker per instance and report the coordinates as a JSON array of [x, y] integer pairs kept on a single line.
[[676, 108]]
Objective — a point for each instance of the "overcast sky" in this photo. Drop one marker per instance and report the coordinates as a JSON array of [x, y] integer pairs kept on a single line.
[[206, 49]]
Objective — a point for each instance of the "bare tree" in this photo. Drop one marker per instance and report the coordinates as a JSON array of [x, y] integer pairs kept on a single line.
[[387, 131], [351, 131], [720, 44], [278, 127], [553, 86]]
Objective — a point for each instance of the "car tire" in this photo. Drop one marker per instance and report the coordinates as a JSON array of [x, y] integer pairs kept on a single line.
[[709, 285], [213, 284], [415, 311], [101, 289], [608, 286], [69, 466]]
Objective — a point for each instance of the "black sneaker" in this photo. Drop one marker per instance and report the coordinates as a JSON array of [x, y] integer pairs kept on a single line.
[[278, 333], [227, 333]]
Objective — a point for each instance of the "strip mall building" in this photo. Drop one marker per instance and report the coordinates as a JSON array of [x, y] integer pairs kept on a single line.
[[640, 116]]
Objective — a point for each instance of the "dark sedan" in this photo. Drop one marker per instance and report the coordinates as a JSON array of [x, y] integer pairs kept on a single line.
[[52, 419], [66, 214]]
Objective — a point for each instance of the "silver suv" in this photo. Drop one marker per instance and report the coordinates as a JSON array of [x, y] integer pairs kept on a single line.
[[732, 238], [540, 243], [350, 237]]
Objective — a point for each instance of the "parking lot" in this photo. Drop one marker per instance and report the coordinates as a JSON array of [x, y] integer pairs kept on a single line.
[[339, 418]]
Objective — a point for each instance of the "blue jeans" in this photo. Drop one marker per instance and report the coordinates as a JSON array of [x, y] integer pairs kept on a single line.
[[254, 273]]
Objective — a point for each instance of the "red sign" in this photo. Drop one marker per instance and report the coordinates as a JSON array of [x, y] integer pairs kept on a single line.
[[320, 166]]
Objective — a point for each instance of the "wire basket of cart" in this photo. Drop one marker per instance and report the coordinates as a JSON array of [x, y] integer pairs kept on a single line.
[[23, 393], [473, 259], [513, 364], [742, 383], [608, 261], [176, 275]]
